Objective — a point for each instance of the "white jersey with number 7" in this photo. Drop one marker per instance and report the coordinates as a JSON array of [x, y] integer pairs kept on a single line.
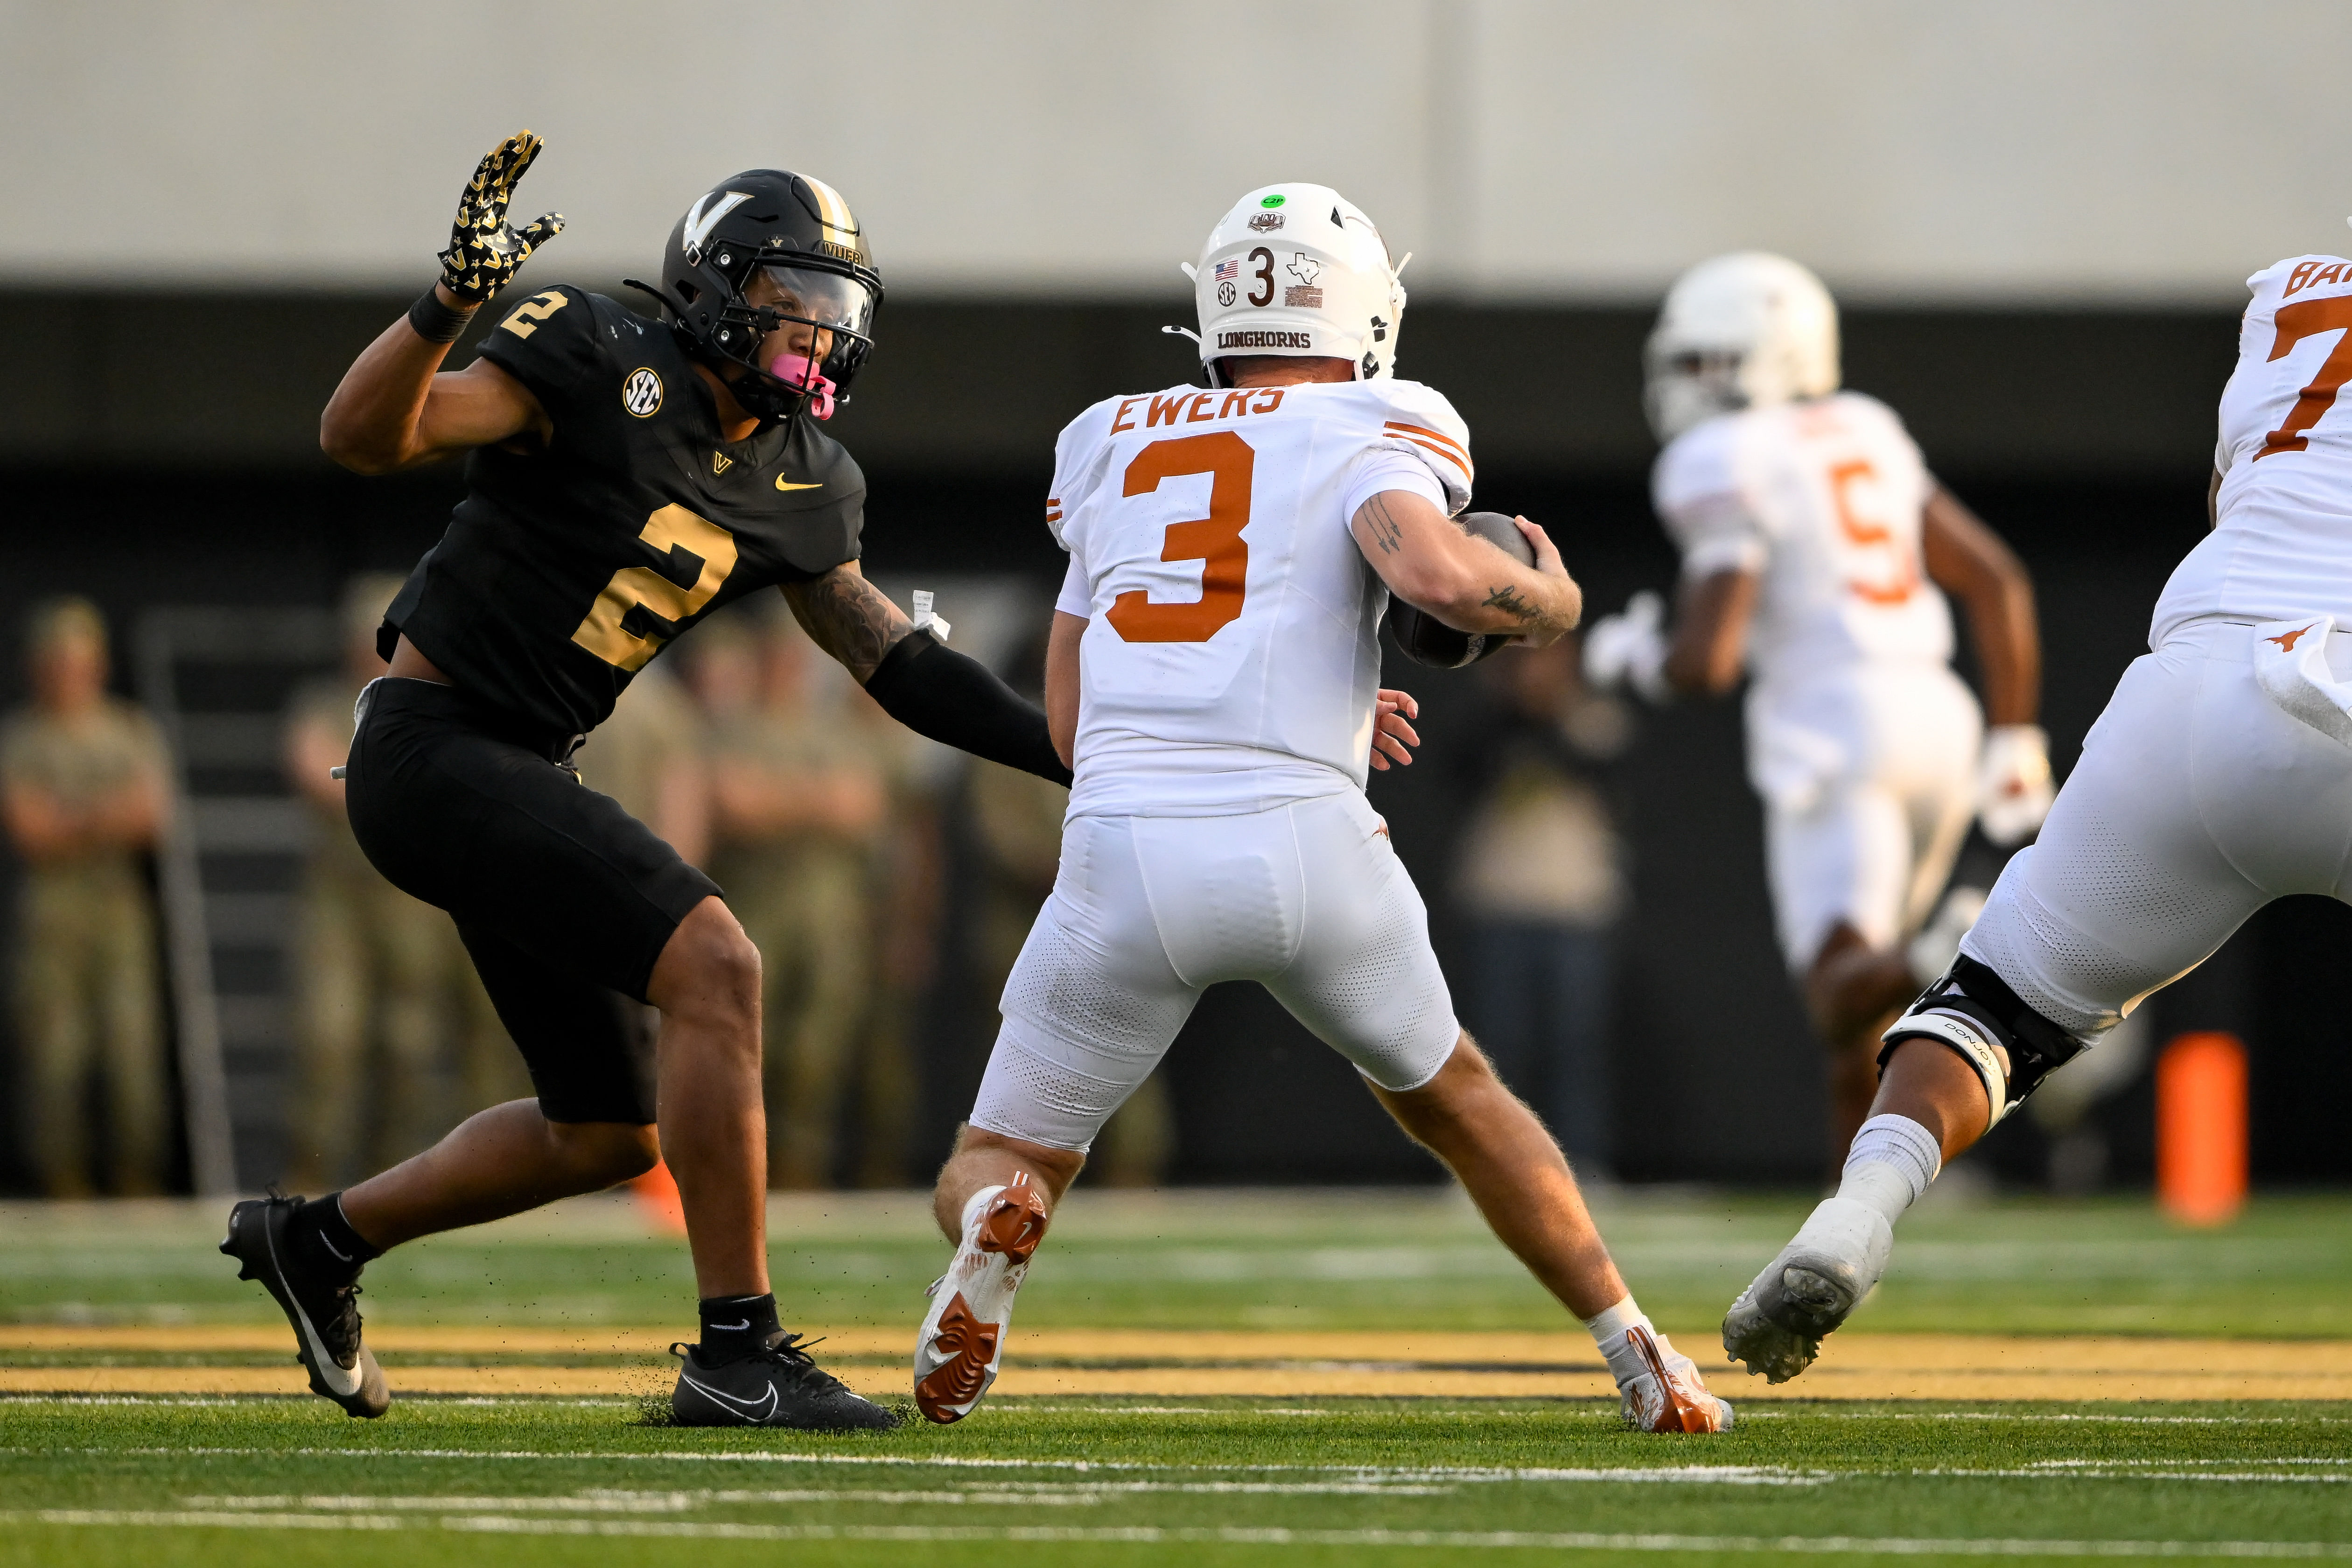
[[2280, 545], [1232, 650]]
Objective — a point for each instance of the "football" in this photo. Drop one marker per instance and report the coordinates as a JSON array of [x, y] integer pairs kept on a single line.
[[1427, 640]]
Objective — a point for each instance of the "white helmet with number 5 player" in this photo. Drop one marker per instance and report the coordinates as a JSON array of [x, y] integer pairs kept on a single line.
[[1298, 269], [1745, 330]]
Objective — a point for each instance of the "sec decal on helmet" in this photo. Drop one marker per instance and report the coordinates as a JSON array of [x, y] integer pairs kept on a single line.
[[1744, 331], [759, 251], [1300, 270]]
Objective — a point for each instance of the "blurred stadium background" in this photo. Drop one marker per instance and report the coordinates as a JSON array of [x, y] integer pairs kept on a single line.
[[2037, 219]]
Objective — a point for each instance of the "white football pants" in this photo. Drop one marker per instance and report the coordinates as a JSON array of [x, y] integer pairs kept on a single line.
[[2196, 801], [1869, 780], [1307, 899]]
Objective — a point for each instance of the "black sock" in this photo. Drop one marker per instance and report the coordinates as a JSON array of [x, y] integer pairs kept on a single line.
[[735, 1326], [323, 1238]]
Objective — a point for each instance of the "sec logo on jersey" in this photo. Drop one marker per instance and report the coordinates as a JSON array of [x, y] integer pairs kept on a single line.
[[641, 394]]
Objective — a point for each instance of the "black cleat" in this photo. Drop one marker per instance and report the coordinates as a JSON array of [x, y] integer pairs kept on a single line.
[[324, 1310], [778, 1386]]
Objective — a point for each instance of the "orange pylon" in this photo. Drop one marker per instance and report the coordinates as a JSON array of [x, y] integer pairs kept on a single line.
[[656, 1193], [2200, 1128]]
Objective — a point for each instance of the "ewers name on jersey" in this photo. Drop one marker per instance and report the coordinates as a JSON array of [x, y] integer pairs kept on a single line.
[[564, 571], [1232, 654], [2282, 542], [1825, 501]]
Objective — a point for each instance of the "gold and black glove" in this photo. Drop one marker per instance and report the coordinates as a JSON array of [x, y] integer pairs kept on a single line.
[[484, 253]]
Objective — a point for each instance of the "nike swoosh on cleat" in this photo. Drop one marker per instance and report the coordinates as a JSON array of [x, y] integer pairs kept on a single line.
[[752, 1415], [343, 1381], [728, 1328], [784, 484]]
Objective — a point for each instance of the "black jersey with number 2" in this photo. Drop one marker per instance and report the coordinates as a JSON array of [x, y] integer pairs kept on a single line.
[[567, 568]]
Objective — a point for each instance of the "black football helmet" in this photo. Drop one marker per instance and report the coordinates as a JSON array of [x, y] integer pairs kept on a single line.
[[758, 250]]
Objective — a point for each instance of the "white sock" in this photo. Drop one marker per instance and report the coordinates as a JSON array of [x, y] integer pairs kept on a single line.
[[1892, 1160], [1609, 1332]]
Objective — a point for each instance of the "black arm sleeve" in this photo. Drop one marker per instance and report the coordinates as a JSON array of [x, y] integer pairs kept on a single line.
[[939, 693]]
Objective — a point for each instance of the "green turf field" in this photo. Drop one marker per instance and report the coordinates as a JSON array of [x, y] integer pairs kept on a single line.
[[288, 1481], [1248, 1260], [294, 1483]]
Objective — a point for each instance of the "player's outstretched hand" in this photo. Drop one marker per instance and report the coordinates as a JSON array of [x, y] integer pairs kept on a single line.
[[484, 252], [1629, 649], [2013, 788], [1393, 731]]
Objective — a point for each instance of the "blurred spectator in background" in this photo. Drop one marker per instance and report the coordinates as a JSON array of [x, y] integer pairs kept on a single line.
[[1016, 838], [1542, 883], [83, 781], [388, 1010], [905, 885], [800, 797]]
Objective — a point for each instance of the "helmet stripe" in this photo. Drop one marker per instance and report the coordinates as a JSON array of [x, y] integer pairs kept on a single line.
[[831, 210]]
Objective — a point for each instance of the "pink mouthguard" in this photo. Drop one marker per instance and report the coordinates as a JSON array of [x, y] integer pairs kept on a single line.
[[800, 371]]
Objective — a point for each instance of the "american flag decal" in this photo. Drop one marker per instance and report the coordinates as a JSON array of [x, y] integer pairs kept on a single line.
[[1228, 270]]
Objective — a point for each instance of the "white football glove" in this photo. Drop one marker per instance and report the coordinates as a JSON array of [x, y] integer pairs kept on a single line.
[[1629, 650], [2014, 787]]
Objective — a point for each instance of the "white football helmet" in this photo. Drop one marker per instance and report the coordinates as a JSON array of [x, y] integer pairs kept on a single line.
[[1298, 270], [1743, 330]]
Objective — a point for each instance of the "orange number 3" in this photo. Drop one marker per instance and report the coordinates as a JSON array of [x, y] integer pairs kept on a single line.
[[1215, 541]]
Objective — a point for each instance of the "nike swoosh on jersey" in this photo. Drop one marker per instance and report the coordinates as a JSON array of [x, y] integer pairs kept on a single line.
[[785, 484], [343, 1380], [754, 1410]]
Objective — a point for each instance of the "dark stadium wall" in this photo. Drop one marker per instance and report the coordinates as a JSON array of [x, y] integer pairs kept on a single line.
[[168, 456]]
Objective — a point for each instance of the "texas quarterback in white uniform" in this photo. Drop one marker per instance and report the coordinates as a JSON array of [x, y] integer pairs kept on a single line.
[[1816, 551], [2219, 778], [1212, 674]]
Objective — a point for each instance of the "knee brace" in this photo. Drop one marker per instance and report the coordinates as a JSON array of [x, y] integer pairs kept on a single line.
[[1972, 1010]]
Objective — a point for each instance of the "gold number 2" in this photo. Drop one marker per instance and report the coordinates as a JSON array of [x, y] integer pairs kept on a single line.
[[693, 544], [535, 309]]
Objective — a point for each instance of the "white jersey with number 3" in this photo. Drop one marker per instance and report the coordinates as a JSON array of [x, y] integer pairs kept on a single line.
[[1823, 501], [2282, 545], [1231, 653]]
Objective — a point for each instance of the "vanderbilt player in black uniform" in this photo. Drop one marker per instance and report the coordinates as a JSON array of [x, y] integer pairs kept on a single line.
[[627, 478]]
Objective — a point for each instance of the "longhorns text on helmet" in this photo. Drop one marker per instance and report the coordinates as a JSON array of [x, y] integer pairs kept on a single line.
[[1747, 330], [1298, 271]]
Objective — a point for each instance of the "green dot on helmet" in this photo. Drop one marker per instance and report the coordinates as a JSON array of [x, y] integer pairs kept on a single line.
[[1271, 202]]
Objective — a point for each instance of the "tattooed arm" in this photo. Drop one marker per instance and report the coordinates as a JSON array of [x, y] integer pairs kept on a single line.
[[848, 618], [919, 680], [1427, 560]]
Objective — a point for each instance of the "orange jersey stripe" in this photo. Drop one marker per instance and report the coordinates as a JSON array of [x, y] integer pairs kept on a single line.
[[1441, 451], [1439, 436]]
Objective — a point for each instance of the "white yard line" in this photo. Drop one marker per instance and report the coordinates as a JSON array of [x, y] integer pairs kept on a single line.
[[1834, 1545], [1376, 1478]]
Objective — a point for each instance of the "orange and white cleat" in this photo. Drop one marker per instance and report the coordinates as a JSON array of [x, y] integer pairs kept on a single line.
[[962, 1342], [1668, 1395]]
